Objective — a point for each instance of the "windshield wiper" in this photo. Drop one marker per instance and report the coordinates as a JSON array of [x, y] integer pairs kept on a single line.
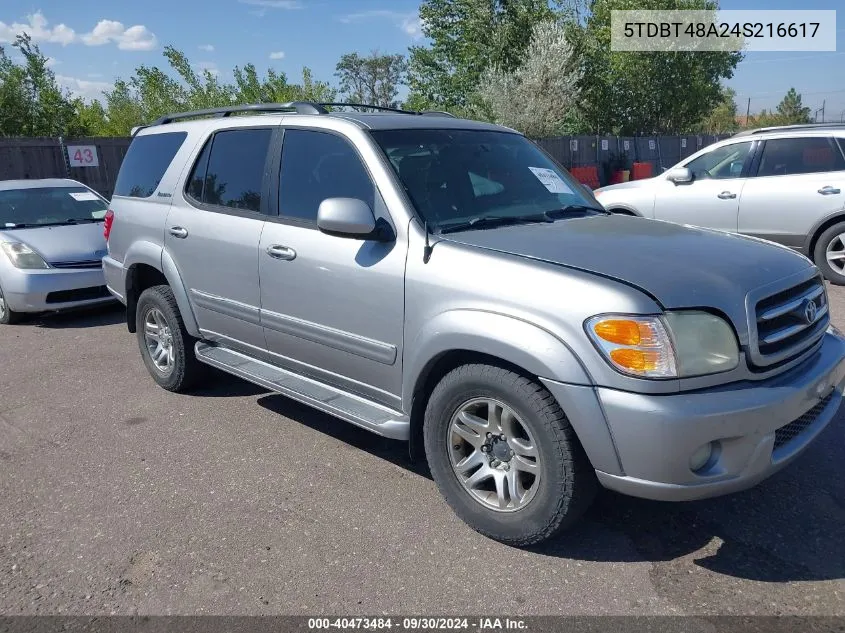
[[80, 221], [492, 221], [570, 209]]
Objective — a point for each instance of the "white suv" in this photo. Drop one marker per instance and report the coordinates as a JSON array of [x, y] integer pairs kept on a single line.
[[784, 184]]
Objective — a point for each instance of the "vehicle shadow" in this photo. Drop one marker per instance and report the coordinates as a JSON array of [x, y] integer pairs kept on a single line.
[[786, 529], [109, 314]]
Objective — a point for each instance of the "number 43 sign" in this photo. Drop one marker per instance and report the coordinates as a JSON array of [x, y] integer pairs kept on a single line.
[[82, 156]]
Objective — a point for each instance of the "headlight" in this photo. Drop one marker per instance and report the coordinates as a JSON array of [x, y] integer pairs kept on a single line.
[[675, 345], [22, 256]]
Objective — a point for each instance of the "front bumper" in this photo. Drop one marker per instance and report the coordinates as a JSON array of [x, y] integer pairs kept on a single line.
[[654, 436], [54, 289]]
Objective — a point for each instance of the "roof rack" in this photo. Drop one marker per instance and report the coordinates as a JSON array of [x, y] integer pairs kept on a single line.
[[299, 107], [787, 128]]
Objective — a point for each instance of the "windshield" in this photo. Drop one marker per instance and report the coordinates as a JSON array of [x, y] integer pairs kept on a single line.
[[460, 177], [44, 206]]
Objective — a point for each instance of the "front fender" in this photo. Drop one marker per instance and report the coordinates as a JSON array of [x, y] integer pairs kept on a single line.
[[513, 340], [154, 256]]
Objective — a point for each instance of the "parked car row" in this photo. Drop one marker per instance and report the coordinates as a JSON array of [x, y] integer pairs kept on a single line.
[[444, 282]]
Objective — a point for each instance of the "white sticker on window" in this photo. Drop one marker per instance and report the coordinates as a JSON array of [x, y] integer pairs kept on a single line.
[[550, 180], [82, 196]]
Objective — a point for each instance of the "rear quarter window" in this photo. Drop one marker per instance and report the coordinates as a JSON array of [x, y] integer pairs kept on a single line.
[[146, 161]]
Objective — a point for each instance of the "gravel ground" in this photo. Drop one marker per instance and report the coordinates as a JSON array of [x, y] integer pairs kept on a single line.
[[118, 497]]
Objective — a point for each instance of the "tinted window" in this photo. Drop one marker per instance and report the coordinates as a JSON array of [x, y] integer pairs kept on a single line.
[[145, 163], [197, 178], [49, 205], [454, 176], [809, 155], [316, 166], [235, 171], [723, 162]]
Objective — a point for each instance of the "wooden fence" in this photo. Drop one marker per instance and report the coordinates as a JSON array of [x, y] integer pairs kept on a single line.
[[26, 158]]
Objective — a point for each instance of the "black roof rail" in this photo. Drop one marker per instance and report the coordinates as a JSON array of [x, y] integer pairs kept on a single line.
[[788, 128], [368, 106], [300, 107], [437, 113]]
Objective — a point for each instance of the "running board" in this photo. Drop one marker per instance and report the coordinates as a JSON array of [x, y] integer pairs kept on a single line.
[[354, 409]]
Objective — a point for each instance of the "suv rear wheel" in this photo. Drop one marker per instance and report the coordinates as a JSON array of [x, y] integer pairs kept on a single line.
[[166, 347], [829, 254], [504, 455]]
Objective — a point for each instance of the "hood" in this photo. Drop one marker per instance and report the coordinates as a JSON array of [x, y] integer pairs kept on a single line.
[[680, 266], [632, 184], [66, 243]]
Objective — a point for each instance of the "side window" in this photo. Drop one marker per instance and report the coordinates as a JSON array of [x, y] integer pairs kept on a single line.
[[145, 162], [230, 169], [813, 154], [316, 166], [723, 162]]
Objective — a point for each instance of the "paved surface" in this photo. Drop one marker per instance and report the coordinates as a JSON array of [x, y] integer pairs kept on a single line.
[[116, 496]]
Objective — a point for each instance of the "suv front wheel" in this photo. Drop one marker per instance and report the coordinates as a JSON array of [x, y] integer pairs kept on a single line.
[[504, 455], [166, 346]]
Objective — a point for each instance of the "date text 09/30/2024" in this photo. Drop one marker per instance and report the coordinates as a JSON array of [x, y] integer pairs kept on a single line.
[[415, 624]]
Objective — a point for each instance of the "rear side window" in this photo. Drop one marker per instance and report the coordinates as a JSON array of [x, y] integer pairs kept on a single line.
[[316, 166], [145, 163], [230, 169], [813, 154]]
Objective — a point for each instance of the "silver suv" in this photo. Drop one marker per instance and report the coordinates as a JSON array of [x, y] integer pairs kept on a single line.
[[444, 281], [784, 184]]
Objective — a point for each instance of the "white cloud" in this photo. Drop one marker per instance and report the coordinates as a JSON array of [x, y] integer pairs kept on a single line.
[[208, 66], [409, 23], [208, 48], [277, 55], [38, 29], [52, 62], [273, 4], [134, 38], [88, 90]]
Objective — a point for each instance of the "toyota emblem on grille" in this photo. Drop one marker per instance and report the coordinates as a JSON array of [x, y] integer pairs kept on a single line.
[[811, 311]]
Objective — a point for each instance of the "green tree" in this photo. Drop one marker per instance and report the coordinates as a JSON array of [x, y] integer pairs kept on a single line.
[[467, 37], [373, 79], [791, 111], [31, 101], [540, 97], [722, 119], [647, 92]]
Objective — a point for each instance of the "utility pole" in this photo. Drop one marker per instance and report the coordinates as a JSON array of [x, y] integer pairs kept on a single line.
[[823, 102], [842, 116], [747, 111]]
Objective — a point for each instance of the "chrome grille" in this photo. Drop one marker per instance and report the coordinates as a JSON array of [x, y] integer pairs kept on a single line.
[[789, 322], [88, 263], [786, 434]]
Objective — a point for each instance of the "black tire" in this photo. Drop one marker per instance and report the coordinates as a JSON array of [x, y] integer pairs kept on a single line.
[[186, 371], [567, 482], [820, 254], [7, 315]]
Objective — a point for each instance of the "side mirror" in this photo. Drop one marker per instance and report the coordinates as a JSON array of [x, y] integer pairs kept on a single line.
[[679, 175], [346, 217]]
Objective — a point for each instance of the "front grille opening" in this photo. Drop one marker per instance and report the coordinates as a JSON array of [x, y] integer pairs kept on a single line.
[[89, 263], [783, 329], [785, 434], [79, 294]]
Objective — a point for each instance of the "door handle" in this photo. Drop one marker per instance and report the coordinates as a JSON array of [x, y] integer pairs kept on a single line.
[[178, 231], [829, 191], [277, 251], [727, 195]]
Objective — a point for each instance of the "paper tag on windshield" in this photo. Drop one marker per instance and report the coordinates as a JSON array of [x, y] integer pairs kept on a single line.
[[550, 180], [82, 196]]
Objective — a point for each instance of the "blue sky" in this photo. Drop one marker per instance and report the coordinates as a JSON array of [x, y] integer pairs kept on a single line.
[[91, 42]]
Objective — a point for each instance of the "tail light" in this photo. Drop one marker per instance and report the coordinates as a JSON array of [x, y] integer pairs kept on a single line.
[[107, 222]]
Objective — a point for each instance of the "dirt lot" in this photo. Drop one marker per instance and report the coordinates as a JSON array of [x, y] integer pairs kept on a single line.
[[116, 496]]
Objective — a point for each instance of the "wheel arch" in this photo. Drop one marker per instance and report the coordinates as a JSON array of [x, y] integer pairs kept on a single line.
[[820, 227], [146, 268]]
